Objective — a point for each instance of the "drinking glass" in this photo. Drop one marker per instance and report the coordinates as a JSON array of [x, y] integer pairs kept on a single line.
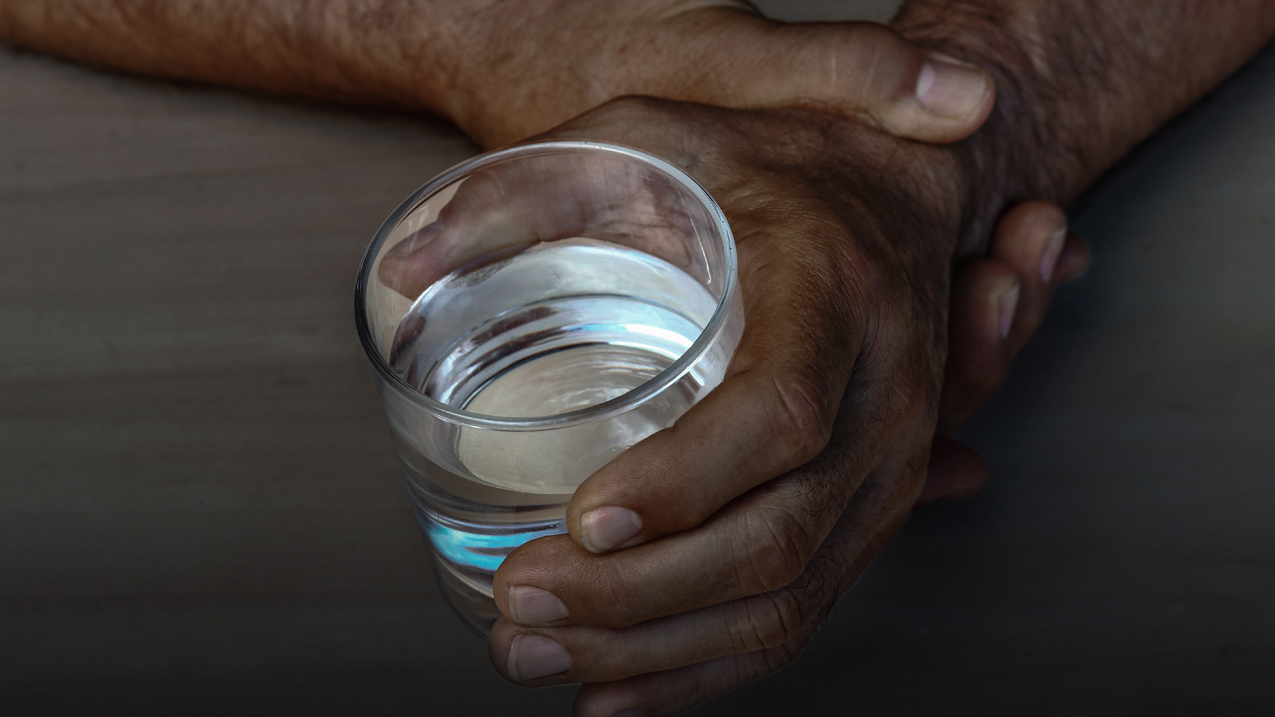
[[528, 315]]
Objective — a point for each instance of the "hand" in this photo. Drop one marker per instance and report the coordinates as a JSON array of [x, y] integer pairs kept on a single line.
[[742, 524], [998, 302], [553, 60]]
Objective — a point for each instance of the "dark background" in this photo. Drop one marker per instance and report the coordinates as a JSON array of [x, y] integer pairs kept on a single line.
[[201, 512]]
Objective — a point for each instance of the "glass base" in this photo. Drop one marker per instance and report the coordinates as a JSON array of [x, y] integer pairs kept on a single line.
[[476, 609]]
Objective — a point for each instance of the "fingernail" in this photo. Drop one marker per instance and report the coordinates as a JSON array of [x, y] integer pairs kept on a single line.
[[948, 89], [534, 656], [1053, 248], [533, 606], [604, 528], [1008, 303]]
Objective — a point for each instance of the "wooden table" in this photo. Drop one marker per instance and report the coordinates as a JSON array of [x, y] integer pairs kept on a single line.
[[201, 513]]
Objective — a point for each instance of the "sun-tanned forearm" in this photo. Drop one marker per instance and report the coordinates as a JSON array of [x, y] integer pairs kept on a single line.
[[1079, 82], [504, 70], [376, 52], [500, 70], [808, 457]]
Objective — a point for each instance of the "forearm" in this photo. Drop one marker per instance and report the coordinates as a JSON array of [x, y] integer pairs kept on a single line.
[[338, 51], [1079, 82], [504, 70], [500, 70]]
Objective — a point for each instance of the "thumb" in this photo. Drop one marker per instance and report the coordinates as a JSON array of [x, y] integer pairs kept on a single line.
[[859, 69]]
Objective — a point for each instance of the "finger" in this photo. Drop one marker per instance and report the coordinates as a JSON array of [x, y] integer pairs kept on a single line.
[[671, 691], [773, 412], [759, 543], [866, 68], [1030, 238], [491, 215], [1033, 238], [554, 655], [1074, 262], [985, 294], [851, 68], [955, 472], [558, 655], [506, 208], [991, 318]]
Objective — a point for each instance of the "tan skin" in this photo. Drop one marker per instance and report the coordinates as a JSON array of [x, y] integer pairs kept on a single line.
[[489, 70], [842, 356], [503, 71], [821, 435], [845, 239]]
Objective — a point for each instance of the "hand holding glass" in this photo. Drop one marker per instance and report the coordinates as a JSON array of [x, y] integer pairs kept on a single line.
[[528, 315]]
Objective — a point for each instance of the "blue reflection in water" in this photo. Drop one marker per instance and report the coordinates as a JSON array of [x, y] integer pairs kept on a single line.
[[469, 546]]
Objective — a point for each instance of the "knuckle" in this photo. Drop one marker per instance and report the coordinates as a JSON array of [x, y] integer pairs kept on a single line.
[[779, 546], [772, 660], [802, 415], [766, 621], [781, 656]]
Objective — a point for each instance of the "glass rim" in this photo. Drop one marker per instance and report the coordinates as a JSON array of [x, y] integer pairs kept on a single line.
[[620, 404]]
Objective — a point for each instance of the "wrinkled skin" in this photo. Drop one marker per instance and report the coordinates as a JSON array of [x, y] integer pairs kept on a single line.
[[766, 501], [715, 52]]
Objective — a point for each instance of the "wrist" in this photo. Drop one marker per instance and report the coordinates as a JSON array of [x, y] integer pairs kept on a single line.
[[520, 74], [1079, 83], [1020, 152], [529, 71]]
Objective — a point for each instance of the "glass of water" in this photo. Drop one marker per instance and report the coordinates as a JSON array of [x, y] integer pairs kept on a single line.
[[528, 315]]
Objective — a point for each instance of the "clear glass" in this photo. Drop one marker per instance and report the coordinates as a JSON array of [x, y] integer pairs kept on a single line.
[[528, 315]]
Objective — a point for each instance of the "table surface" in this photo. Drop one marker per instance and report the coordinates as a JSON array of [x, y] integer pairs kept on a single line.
[[201, 512]]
